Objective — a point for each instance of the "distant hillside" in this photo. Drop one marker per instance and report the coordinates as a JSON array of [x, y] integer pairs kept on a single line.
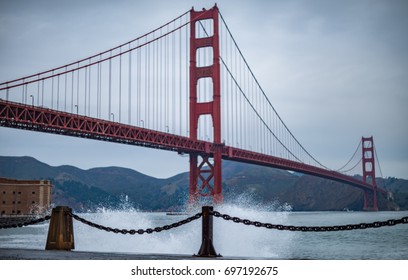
[[114, 186], [97, 187]]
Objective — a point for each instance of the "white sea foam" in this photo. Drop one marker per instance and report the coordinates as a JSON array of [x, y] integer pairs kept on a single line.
[[230, 239]]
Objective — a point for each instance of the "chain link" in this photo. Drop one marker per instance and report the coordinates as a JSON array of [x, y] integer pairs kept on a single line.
[[25, 223], [392, 222], [134, 231]]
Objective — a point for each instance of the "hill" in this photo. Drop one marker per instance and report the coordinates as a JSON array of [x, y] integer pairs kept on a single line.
[[115, 186]]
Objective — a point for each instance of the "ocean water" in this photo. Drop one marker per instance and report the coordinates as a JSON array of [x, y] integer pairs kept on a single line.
[[231, 239]]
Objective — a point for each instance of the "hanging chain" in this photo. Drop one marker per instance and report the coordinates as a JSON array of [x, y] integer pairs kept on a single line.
[[226, 217], [134, 231], [25, 223], [391, 222]]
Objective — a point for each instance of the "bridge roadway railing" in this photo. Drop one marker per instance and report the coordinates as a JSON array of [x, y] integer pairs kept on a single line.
[[21, 116], [61, 233], [36, 118]]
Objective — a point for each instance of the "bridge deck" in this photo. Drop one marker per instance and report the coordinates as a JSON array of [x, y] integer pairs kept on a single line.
[[34, 118]]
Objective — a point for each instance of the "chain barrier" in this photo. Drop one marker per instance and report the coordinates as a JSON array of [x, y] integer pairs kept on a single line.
[[138, 231], [377, 224], [25, 223], [247, 222], [59, 224]]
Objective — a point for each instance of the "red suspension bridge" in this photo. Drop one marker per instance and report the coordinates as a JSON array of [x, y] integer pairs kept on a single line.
[[184, 87]]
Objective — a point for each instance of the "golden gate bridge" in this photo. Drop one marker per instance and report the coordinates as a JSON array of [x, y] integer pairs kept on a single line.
[[184, 87]]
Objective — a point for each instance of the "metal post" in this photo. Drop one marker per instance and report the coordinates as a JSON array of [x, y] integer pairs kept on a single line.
[[207, 248], [60, 231]]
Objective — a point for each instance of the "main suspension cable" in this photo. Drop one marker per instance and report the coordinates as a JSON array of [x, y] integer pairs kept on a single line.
[[266, 98], [355, 152]]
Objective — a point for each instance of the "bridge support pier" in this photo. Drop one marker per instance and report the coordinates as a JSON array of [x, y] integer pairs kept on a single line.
[[370, 201], [205, 178]]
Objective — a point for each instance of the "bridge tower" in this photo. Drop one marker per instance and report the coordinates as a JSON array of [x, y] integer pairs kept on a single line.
[[205, 175], [370, 197]]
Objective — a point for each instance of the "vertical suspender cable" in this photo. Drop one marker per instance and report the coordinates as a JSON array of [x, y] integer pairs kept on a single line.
[[38, 91], [237, 124], [130, 88], [25, 93], [241, 120], [147, 121], [180, 81], [65, 92], [52, 91], [233, 101], [120, 85], [173, 91], [187, 75], [77, 99], [89, 91], [266, 142], [42, 92], [146, 85], [164, 115], [110, 87], [139, 86], [155, 100], [158, 102], [245, 126], [86, 89], [72, 92], [58, 86], [98, 89]]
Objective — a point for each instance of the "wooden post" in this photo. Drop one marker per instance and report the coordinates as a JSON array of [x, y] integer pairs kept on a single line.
[[60, 231]]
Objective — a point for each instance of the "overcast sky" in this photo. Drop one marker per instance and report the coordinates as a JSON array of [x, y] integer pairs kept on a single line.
[[334, 70]]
